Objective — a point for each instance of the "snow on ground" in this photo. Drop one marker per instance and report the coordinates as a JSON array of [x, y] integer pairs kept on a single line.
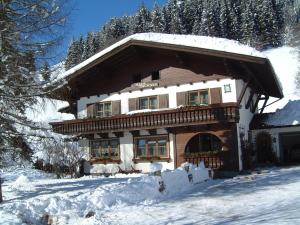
[[271, 196]]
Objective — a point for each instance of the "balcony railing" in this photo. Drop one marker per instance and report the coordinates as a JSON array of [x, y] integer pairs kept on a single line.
[[194, 115]]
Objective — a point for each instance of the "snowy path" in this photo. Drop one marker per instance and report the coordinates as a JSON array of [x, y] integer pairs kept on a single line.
[[272, 197]]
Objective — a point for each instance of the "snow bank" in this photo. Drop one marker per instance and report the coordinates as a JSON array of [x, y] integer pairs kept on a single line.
[[22, 184], [112, 193]]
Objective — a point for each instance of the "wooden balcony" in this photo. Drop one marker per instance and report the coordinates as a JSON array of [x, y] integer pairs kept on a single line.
[[193, 115]]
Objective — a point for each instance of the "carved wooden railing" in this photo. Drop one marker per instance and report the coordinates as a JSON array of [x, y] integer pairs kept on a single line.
[[213, 161], [226, 112]]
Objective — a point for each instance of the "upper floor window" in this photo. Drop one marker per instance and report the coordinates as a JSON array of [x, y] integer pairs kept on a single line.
[[103, 109], [150, 102], [199, 97], [137, 78], [155, 75]]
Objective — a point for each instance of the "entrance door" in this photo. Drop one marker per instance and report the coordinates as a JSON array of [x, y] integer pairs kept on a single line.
[[264, 148]]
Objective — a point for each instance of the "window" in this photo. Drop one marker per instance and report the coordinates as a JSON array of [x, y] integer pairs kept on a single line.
[[199, 97], [151, 147], [103, 109], [105, 149], [137, 78], [155, 75], [203, 143], [150, 102], [227, 88]]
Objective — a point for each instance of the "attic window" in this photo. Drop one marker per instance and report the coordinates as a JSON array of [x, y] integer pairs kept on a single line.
[[227, 88], [137, 78], [155, 75]]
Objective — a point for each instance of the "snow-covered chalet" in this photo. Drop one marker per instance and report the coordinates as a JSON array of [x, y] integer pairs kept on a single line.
[[168, 99]]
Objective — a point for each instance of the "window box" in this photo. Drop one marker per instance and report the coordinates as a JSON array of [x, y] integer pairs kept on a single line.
[[151, 159], [104, 161], [105, 150]]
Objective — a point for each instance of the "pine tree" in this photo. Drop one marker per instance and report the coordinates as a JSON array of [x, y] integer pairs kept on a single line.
[[269, 34], [197, 17], [210, 20], [166, 19], [87, 48], [72, 58], [190, 9], [142, 20], [176, 26], [157, 24], [26, 35], [45, 72], [249, 25]]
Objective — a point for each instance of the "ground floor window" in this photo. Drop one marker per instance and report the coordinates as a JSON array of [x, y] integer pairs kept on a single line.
[[151, 147], [105, 149]]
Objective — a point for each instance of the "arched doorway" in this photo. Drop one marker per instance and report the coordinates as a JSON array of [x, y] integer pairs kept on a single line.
[[264, 148], [204, 147]]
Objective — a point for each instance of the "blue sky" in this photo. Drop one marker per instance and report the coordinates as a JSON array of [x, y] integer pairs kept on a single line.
[[90, 15]]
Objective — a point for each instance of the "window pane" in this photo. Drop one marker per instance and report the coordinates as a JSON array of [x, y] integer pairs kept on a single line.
[[193, 98], [204, 98], [104, 149], [100, 110], [143, 103], [141, 148], [153, 102], [151, 148], [162, 147]]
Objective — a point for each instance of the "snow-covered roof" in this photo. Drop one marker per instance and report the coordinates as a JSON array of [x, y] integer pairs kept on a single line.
[[203, 42], [289, 115]]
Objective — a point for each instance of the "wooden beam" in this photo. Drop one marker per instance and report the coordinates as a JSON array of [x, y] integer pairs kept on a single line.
[[249, 99], [252, 77], [264, 105], [103, 135], [152, 131], [242, 93], [135, 133], [119, 134], [256, 103]]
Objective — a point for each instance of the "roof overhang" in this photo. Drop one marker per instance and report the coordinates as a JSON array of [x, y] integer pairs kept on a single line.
[[261, 69]]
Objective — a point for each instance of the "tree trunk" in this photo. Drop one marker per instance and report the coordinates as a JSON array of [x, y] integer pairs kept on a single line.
[[1, 199]]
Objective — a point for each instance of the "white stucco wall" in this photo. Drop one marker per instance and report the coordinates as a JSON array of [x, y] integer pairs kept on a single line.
[[127, 155], [126, 142], [245, 116], [171, 90]]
